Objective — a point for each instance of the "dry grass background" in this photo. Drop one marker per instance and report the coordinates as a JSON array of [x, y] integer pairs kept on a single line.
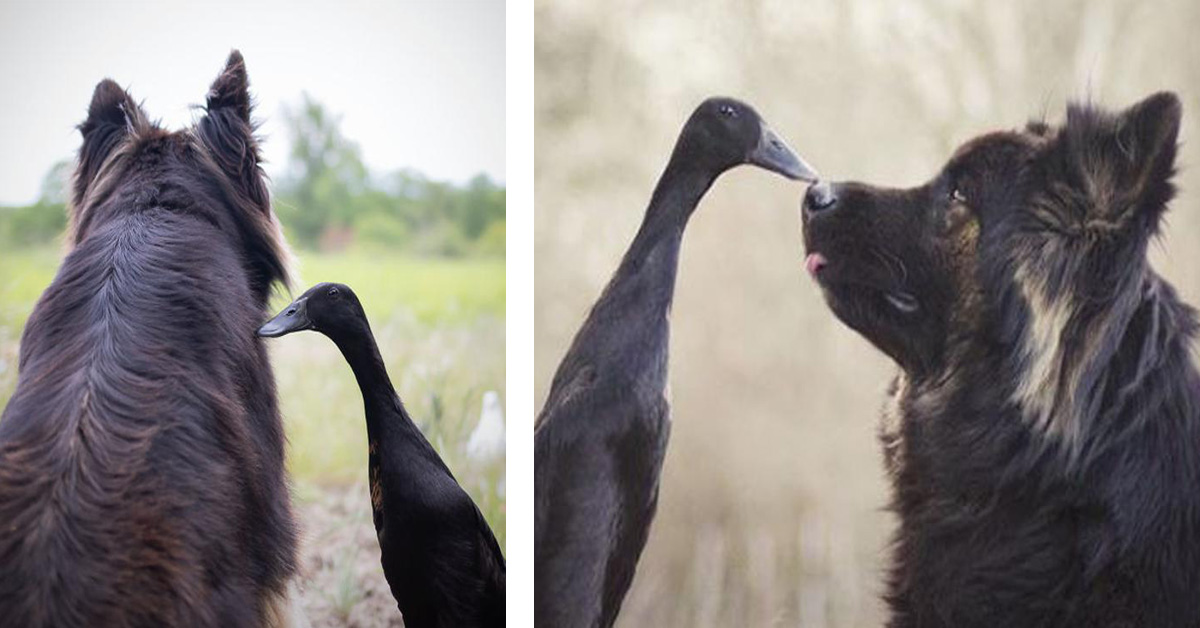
[[772, 501]]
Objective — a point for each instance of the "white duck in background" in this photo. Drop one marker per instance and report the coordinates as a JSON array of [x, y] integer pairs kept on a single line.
[[486, 443]]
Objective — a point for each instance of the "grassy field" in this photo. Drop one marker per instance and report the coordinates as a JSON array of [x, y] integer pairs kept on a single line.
[[440, 327]]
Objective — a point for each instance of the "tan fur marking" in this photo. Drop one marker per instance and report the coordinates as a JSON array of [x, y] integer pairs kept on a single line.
[[281, 609], [1045, 392], [965, 314], [890, 424]]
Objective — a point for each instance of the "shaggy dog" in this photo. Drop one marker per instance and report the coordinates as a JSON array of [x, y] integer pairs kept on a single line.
[[1043, 437], [141, 456]]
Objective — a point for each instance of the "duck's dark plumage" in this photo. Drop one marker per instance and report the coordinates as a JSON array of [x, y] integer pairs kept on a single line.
[[441, 560], [601, 438]]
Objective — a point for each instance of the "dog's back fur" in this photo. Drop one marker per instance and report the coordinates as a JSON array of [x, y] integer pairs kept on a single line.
[[141, 455]]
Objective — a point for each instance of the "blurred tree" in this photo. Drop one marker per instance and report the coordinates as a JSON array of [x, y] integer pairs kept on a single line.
[[54, 186], [481, 204], [325, 175], [328, 197], [43, 221]]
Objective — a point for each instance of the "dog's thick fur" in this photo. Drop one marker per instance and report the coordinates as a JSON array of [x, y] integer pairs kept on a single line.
[[141, 455], [1043, 438]]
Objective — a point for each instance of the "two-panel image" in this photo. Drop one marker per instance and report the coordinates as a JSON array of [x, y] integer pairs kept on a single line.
[[832, 314]]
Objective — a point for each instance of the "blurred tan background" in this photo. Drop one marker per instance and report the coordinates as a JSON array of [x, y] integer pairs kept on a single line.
[[772, 504]]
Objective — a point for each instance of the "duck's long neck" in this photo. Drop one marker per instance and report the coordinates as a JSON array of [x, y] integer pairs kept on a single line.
[[628, 325], [653, 256], [383, 408], [675, 198]]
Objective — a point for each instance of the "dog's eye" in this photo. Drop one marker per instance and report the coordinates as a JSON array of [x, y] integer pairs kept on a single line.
[[957, 196], [957, 215], [728, 111]]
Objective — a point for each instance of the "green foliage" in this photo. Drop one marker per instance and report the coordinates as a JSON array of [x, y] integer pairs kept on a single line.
[[33, 225], [491, 241], [328, 199], [382, 231], [42, 222], [26, 274]]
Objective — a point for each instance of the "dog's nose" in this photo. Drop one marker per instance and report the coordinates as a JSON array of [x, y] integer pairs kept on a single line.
[[820, 197]]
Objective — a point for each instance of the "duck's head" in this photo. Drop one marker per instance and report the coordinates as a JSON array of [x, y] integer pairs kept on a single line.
[[325, 307], [723, 133]]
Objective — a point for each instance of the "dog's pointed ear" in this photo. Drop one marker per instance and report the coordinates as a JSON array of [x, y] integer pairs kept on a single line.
[[232, 88], [1124, 162], [112, 116], [111, 105], [1147, 138], [228, 132]]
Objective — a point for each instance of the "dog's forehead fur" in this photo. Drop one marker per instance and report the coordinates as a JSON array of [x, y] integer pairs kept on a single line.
[[144, 148], [983, 150]]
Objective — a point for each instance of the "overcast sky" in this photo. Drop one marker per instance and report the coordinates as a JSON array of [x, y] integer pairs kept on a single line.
[[418, 84]]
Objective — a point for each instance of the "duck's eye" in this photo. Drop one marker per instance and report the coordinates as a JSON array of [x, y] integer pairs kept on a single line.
[[728, 111], [333, 292]]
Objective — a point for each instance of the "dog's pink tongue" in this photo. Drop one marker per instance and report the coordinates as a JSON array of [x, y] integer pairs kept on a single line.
[[814, 263]]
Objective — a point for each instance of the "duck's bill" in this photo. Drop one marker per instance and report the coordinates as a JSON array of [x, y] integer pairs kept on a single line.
[[293, 318], [775, 155]]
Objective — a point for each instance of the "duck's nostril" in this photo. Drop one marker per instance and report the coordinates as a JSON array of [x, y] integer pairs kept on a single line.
[[291, 311], [820, 197]]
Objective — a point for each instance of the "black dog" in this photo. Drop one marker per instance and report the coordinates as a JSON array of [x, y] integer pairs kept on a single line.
[[1044, 435], [141, 456]]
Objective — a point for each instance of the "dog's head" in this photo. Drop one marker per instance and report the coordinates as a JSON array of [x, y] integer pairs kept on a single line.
[[1024, 240], [128, 163]]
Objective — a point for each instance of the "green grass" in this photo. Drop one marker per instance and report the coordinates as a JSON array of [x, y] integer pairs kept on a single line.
[[26, 274], [440, 328], [434, 290]]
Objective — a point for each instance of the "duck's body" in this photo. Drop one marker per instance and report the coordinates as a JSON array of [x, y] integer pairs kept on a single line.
[[600, 444], [441, 560], [439, 556], [602, 436]]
